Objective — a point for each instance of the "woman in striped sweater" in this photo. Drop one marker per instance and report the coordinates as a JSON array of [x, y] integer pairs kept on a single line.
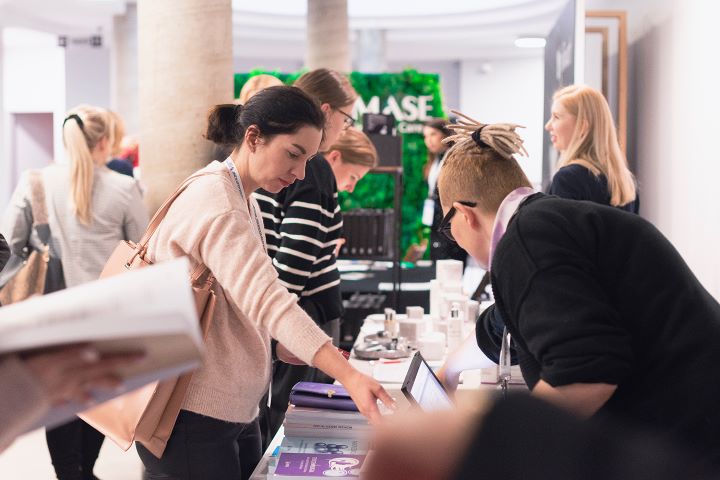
[[303, 223]]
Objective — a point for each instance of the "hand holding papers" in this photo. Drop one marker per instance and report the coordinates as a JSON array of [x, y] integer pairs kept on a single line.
[[149, 310]]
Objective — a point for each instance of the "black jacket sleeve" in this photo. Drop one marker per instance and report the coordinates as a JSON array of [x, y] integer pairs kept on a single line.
[[572, 329], [522, 438], [488, 333]]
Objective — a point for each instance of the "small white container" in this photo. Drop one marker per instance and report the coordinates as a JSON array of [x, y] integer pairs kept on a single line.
[[449, 271], [472, 310], [432, 345], [454, 327], [411, 328]]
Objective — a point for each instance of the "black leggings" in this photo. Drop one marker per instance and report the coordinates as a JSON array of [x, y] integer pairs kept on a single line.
[[74, 447], [203, 447]]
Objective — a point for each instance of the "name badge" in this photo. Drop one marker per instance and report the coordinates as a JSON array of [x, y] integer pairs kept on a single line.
[[428, 212]]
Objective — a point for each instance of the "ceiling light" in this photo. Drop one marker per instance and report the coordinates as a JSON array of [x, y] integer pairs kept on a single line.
[[530, 42]]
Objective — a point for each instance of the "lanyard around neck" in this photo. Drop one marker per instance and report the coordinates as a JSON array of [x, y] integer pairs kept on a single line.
[[253, 215], [236, 176]]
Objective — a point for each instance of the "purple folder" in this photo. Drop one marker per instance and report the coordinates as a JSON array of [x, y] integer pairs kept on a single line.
[[321, 395]]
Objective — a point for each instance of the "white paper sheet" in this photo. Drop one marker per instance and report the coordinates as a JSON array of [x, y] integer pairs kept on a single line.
[[150, 309]]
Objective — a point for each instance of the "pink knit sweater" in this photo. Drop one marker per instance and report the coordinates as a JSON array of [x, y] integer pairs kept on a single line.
[[211, 223]]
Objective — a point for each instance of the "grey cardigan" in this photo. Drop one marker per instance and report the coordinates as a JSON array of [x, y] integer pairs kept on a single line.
[[117, 211]]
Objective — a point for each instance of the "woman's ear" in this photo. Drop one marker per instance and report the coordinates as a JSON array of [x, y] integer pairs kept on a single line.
[[333, 157], [252, 137], [584, 128], [327, 111]]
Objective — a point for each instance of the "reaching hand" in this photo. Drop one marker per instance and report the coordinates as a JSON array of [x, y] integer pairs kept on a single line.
[[366, 391], [70, 373]]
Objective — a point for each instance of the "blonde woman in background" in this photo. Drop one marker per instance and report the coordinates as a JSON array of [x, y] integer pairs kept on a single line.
[[592, 165], [251, 87], [90, 208], [255, 84], [351, 157]]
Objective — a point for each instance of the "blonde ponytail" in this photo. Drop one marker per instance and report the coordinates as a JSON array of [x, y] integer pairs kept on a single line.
[[83, 128]]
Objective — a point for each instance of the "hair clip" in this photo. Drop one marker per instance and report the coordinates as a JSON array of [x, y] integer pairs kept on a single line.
[[75, 117], [476, 136]]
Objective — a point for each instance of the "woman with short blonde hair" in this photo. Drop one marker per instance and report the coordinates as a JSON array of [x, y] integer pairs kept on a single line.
[[592, 165], [351, 157], [256, 83]]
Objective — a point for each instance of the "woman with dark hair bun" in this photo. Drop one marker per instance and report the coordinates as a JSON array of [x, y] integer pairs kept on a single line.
[[217, 223]]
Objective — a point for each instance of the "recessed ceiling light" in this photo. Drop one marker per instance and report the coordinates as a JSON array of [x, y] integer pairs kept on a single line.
[[530, 42]]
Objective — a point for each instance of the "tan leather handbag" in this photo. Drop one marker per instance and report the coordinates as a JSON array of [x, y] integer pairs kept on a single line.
[[148, 414], [29, 279]]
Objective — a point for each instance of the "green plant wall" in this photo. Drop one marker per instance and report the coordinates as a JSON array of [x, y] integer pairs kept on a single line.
[[390, 90]]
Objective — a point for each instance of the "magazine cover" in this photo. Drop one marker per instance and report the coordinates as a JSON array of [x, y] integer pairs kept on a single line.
[[307, 466]]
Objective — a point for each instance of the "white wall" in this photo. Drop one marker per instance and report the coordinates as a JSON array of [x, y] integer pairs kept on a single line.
[[87, 75], [508, 91], [673, 109], [31, 142], [33, 82]]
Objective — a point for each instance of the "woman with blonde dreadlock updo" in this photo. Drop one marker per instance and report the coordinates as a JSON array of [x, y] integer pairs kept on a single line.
[[605, 315]]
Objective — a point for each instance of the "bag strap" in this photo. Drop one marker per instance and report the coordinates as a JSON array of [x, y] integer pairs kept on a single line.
[[159, 216], [38, 207], [165, 207], [37, 198]]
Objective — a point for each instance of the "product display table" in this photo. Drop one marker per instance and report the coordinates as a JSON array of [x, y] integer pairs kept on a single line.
[[391, 375]]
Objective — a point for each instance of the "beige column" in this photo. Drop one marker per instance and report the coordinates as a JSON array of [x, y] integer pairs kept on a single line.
[[185, 68], [328, 35]]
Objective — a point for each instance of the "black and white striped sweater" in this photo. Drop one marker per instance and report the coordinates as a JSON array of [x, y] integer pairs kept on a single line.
[[302, 226]]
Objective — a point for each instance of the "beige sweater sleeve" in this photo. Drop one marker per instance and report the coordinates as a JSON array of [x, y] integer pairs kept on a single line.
[[234, 253], [23, 401]]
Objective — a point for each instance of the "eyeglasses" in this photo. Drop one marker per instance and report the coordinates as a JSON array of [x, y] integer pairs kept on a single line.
[[445, 224], [348, 121]]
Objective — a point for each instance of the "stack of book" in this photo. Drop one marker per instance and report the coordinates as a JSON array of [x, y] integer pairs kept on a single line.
[[320, 443], [320, 422]]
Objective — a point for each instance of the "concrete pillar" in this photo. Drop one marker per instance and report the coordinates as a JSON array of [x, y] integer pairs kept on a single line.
[[185, 68], [369, 51], [124, 71], [328, 35]]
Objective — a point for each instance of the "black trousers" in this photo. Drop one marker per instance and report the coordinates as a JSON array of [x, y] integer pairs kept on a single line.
[[202, 448], [284, 377], [74, 447]]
